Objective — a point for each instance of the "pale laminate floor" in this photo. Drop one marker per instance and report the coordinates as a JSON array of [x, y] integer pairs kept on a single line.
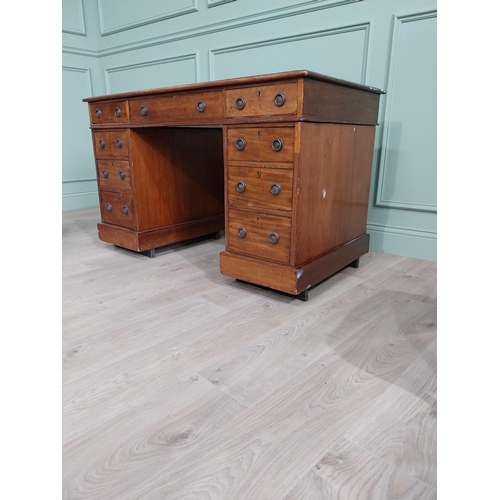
[[181, 383]]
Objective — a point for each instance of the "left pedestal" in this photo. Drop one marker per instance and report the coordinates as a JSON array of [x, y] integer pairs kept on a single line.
[[158, 185]]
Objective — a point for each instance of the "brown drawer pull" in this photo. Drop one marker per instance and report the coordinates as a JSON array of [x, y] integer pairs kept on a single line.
[[125, 210], [102, 143], [241, 186], [109, 207], [105, 174], [240, 103], [242, 232], [274, 238], [279, 99], [144, 110], [277, 144], [240, 144], [119, 143], [122, 174], [275, 189], [118, 112], [98, 113], [201, 106]]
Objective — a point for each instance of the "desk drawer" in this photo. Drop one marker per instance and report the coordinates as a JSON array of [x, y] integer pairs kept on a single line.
[[196, 107], [108, 112], [262, 100], [111, 143], [114, 175], [263, 187], [118, 208], [265, 144], [259, 235]]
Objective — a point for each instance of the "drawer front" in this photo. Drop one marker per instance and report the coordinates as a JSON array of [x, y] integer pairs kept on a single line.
[[269, 144], [108, 112], [250, 233], [260, 187], [200, 106], [277, 99], [118, 208], [114, 175], [111, 144]]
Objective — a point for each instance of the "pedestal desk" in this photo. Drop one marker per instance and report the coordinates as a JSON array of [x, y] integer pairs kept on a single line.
[[281, 162]]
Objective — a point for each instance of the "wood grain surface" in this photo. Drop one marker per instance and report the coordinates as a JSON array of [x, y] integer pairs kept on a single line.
[[181, 383]]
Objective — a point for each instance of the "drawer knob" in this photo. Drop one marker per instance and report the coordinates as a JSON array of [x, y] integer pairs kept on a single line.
[[98, 113], [144, 110], [119, 143], [279, 99], [240, 143], [240, 103], [118, 112], [242, 232], [121, 174], [125, 210], [201, 106], [105, 174], [274, 238], [102, 143], [277, 144], [241, 186], [109, 207], [275, 189]]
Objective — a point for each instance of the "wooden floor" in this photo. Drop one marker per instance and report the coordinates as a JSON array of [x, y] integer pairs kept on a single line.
[[181, 383]]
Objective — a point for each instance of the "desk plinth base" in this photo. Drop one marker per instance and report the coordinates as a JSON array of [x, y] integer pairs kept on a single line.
[[141, 241], [293, 280]]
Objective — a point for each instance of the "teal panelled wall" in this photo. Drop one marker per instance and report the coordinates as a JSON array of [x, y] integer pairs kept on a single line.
[[114, 46]]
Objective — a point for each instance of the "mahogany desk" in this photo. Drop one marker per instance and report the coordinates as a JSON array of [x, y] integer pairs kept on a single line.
[[281, 162]]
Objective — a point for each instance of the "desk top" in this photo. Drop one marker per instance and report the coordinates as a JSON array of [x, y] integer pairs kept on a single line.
[[272, 77], [289, 96]]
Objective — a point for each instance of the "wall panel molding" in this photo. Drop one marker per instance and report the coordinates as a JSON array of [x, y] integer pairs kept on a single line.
[[108, 27], [73, 20], [241, 22], [216, 3], [194, 57], [365, 27], [390, 126]]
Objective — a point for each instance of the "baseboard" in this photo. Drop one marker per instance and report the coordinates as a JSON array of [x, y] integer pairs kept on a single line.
[[405, 242]]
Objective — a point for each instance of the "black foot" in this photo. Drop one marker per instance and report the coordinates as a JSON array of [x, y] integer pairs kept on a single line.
[[217, 235], [304, 296], [149, 253], [354, 264]]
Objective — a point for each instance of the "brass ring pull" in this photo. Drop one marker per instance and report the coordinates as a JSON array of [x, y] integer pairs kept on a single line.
[[242, 232], [279, 99], [240, 144], [118, 112], [201, 106], [102, 143], [241, 186], [105, 174], [240, 103], [121, 174], [274, 238], [275, 189], [144, 110], [109, 207], [277, 144], [125, 210], [98, 113], [119, 143]]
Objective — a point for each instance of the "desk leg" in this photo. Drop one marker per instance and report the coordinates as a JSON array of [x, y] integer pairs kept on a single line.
[[149, 253]]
